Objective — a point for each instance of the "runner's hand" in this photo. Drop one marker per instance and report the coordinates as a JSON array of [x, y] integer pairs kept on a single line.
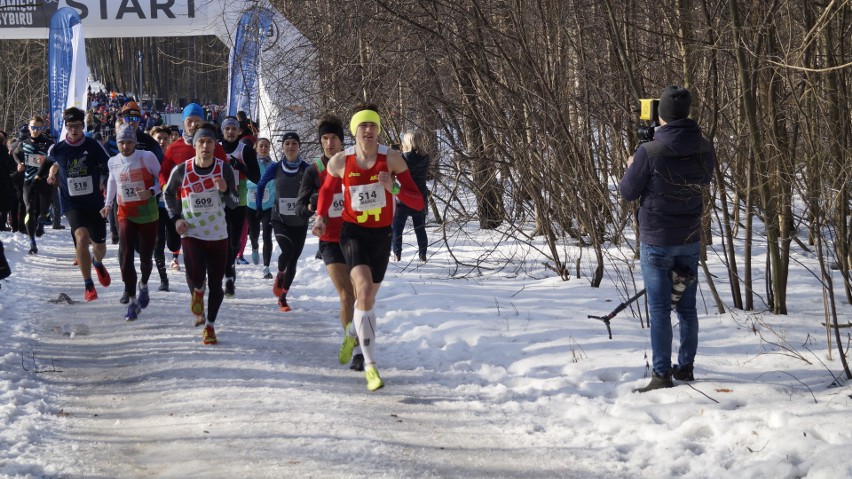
[[145, 194], [181, 226], [386, 180], [319, 227], [221, 184]]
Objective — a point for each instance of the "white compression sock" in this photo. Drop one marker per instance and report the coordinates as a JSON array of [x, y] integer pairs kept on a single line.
[[365, 325]]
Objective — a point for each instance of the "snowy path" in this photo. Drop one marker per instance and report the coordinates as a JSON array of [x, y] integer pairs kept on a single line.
[[147, 399], [486, 377]]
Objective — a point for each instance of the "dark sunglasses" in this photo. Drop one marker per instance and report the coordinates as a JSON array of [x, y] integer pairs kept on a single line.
[[39, 128], [129, 119]]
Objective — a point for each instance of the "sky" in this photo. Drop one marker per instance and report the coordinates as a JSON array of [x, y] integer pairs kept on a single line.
[[487, 374]]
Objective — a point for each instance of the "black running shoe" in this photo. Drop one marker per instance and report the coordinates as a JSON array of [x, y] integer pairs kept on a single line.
[[125, 298], [357, 362], [39, 230], [229, 287]]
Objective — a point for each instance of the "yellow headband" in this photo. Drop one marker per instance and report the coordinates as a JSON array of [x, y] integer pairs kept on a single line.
[[364, 116]]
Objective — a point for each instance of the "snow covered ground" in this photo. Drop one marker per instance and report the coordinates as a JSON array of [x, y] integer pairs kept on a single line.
[[489, 376]]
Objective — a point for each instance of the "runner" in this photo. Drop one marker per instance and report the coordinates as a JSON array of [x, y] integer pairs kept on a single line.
[[203, 185], [30, 154], [290, 229], [255, 221], [162, 135], [330, 130], [243, 160], [177, 153], [130, 115], [81, 166], [367, 172], [133, 177]]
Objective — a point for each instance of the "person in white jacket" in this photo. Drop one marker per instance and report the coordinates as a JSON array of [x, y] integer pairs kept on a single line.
[[132, 188]]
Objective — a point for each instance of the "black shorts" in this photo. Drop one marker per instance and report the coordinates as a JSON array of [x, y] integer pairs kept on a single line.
[[89, 219], [331, 253], [368, 246]]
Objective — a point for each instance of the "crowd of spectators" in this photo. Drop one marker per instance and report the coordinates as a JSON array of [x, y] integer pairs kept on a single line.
[[104, 108]]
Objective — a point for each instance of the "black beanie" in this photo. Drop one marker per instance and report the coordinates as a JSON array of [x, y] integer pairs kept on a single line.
[[328, 127], [674, 103], [291, 135]]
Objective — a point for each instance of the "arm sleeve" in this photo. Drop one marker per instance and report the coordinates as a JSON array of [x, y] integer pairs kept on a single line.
[[268, 175], [635, 178], [326, 194], [409, 193], [306, 190], [110, 190], [170, 193], [18, 152], [44, 168], [166, 168], [153, 165], [232, 197], [252, 168]]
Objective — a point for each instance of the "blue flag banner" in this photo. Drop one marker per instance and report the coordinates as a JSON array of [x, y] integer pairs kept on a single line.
[[244, 61], [66, 63]]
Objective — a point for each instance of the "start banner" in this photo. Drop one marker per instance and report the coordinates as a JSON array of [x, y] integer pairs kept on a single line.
[[112, 18]]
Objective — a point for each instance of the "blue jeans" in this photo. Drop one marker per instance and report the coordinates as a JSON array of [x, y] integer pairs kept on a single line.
[[418, 218], [657, 262]]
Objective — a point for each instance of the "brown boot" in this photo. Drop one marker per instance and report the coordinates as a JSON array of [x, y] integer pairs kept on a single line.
[[657, 382]]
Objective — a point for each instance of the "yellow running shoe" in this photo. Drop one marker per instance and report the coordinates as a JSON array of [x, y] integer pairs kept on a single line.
[[374, 381], [345, 353]]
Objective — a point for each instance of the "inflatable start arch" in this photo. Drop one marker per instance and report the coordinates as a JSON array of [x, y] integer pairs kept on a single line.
[[269, 55]]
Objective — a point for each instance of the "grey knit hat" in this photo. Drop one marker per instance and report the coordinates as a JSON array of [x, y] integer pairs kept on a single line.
[[126, 132]]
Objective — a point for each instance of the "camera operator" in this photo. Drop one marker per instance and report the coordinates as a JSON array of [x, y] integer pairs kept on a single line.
[[667, 176]]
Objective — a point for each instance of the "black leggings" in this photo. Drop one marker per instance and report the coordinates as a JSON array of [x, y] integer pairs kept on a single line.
[[37, 197], [254, 231], [205, 261], [291, 240], [166, 236], [235, 218]]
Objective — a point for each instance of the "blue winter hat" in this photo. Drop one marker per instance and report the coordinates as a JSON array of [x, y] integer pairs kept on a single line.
[[193, 109]]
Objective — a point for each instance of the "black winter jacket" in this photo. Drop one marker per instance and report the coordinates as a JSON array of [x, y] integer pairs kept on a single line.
[[667, 176], [418, 164]]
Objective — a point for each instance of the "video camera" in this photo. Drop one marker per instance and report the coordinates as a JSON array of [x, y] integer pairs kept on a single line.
[[648, 112]]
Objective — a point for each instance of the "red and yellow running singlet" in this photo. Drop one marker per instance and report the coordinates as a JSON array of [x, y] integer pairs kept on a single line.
[[366, 202]]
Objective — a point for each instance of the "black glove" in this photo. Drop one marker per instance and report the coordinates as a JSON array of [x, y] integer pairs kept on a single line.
[[314, 198]]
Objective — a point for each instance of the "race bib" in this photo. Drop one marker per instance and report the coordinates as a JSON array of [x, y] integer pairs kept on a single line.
[[287, 206], [367, 197], [80, 186], [336, 208], [252, 196], [32, 160], [129, 191], [205, 202]]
